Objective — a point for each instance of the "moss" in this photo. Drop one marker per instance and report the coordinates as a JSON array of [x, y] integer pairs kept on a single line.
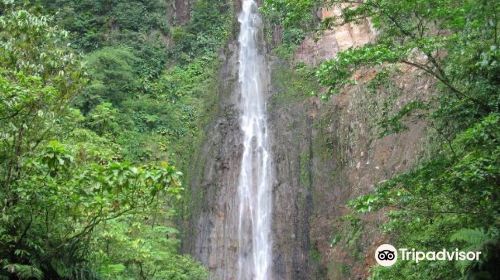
[[285, 51], [315, 255], [348, 235], [305, 177], [335, 238], [324, 143], [291, 86], [345, 270], [187, 148], [335, 270]]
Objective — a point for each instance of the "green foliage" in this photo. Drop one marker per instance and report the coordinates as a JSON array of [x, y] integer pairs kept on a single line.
[[150, 251], [417, 33], [457, 187], [154, 114], [296, 17], [63, 183], [473, 238], [393, 124], [24, 271], [293, 85], [477, 240], [186, 80], [113, 77], [206, 33], [102, 119], [29, 44], [98, 23], [337, 72], [139, 27], [96, 206], [456, 43], [288, 13]]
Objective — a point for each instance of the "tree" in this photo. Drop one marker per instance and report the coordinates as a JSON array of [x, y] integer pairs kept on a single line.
[[426, 35], [455, 191], [63, 184], [113, 77]]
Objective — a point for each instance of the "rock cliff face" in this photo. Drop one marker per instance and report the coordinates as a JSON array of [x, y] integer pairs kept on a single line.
[[329, 152], [181, 11], [212, 234], [334, 40], [325, 153]]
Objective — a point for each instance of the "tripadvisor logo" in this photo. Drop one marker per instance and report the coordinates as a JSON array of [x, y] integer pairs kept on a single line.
[[387, 255]]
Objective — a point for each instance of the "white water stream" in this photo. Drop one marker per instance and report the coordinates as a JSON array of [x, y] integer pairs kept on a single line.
[[254, 187]]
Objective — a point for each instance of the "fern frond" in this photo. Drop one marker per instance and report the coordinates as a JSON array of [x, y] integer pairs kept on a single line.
[[474, 238], [24, 271]]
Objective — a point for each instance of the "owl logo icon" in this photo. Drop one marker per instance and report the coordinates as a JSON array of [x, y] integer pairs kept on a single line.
[[386, 255]]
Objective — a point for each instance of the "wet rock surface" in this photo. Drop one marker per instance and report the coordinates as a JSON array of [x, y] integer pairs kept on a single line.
[[325, 154], [212, 234]]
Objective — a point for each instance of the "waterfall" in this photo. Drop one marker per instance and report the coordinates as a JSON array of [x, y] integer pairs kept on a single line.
[[254, 186]]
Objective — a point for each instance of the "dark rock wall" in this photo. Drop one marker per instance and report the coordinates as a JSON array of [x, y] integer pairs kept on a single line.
[[291, 132], [325, 154], [182, 11], [212, 233]]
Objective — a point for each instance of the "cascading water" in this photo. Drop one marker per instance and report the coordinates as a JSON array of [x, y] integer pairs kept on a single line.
[[254, 187]]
